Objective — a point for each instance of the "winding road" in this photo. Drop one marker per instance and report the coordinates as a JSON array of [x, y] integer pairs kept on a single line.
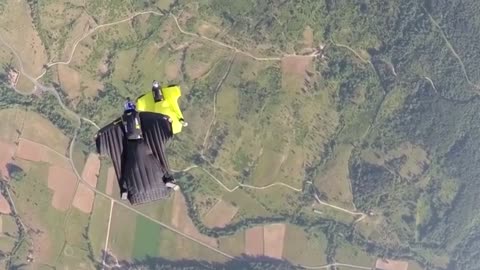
[[39, 86]]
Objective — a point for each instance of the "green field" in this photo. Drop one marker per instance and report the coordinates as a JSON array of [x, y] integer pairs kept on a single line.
[[234, 244], [98, 225], [306, 248], [122, 232], [345, 252], [147, 239]]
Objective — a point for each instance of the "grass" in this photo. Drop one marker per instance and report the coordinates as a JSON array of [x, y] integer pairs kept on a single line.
[[331, 213], [439, 259], [102, 176], [276, 199], [6, 244], [347, 253], [19, 33], [20, 257], [176, 247], [9, 226], [33, 202], [122, 232], [109, 11], [147, 240], [98, 224], [334, 179], [79, 157], [24, 85], [201, 57], [76, 228], [39, 129], [268, 166], [233, 244], [161, 210], [248, 206], [123, 69], [61, 21], [75, 258], [9, 128], [168, 244], [304, 248], [164, 4]]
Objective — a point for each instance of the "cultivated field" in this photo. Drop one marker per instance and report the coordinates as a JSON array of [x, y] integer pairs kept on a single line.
[[84, 198], [33, 201], [91, 170], [220, 215], [122, 232], [385, 264], [98, 224], [63, 182], [13, 124], [182, 221], [233, 244], [32, 151], [273, 240], [38, 129], [4, 206], [254, 241], [304, 248]]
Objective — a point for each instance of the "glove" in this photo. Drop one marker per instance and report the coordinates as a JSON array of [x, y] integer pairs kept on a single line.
[[183, 122]]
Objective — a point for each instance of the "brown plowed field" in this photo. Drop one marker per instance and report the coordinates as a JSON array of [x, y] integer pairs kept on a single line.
[[254, 241], [83, 200], [63, 182], [91, 170], [273, 236], [33, 151]]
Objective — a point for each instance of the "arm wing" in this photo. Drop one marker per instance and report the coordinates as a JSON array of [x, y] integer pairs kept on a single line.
[[157, 131], [110, 141]]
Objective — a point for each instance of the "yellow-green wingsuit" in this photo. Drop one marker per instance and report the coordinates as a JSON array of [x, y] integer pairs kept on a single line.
[[168, 106]]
